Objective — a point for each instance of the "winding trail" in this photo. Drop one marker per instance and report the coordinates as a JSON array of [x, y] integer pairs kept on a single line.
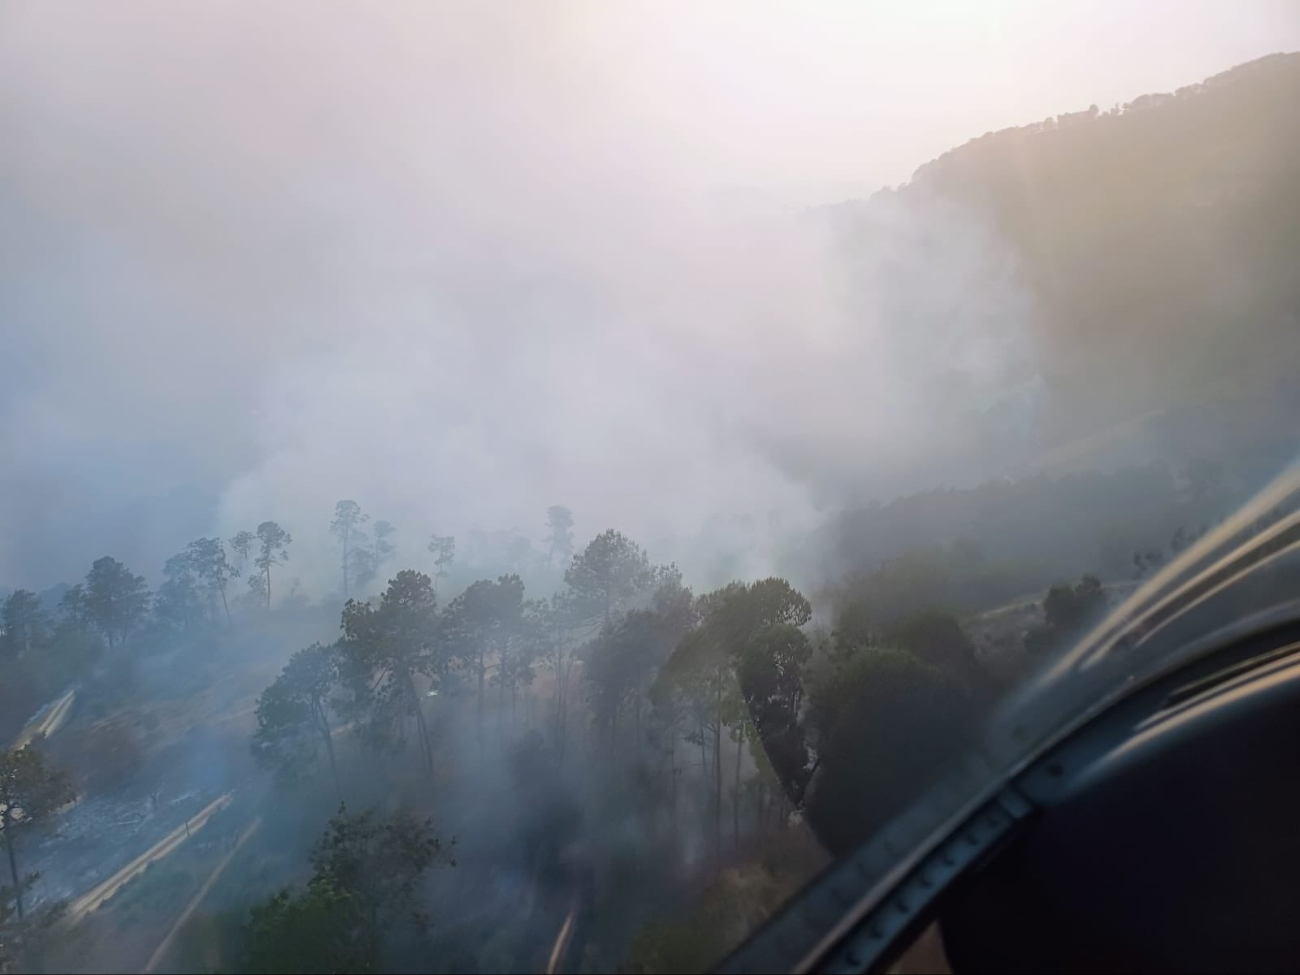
[[88, 902], [161, 951]]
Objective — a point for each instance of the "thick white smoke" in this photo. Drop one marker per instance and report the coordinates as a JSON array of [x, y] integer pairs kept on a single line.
[[460, 266]]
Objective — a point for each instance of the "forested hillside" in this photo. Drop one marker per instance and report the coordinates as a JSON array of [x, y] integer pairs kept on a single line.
[[1159, 242], [1160, 238]]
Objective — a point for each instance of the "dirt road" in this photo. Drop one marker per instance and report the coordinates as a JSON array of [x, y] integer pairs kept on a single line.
[[88, 902], [161, 951], [48, 721]]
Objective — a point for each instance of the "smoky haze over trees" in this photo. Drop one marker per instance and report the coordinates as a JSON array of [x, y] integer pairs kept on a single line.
[[568, 737], [346, 527], [272, 549], [294, 715], [112, 599], [719, 525]]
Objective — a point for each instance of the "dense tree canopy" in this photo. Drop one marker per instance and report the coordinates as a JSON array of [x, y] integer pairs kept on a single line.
[[491, 628], [180, 602], [294, 715], [346, 528], [23, 622], [605, 575], [114, 600], [273, 549], [1068, 611], [882, 723], [366, 870], [390, 652], [207, 559], [443, 548]]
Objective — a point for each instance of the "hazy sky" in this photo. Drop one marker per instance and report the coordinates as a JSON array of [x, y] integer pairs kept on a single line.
[[461, 262]]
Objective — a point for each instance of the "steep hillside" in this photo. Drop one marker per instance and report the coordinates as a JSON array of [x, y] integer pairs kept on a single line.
[[1161, 239], [1159, 244]]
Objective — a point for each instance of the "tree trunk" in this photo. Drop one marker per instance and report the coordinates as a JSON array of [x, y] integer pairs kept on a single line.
[[717, 774], [13, 863], [559, 725], [562, 701], [422, 729], [424, 739], [345, 567], [636, 721], [329, 747], [501, 697], [672, 771], [482, 674], [735, 797], [224, 604], [373, 939], [268, 586]]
